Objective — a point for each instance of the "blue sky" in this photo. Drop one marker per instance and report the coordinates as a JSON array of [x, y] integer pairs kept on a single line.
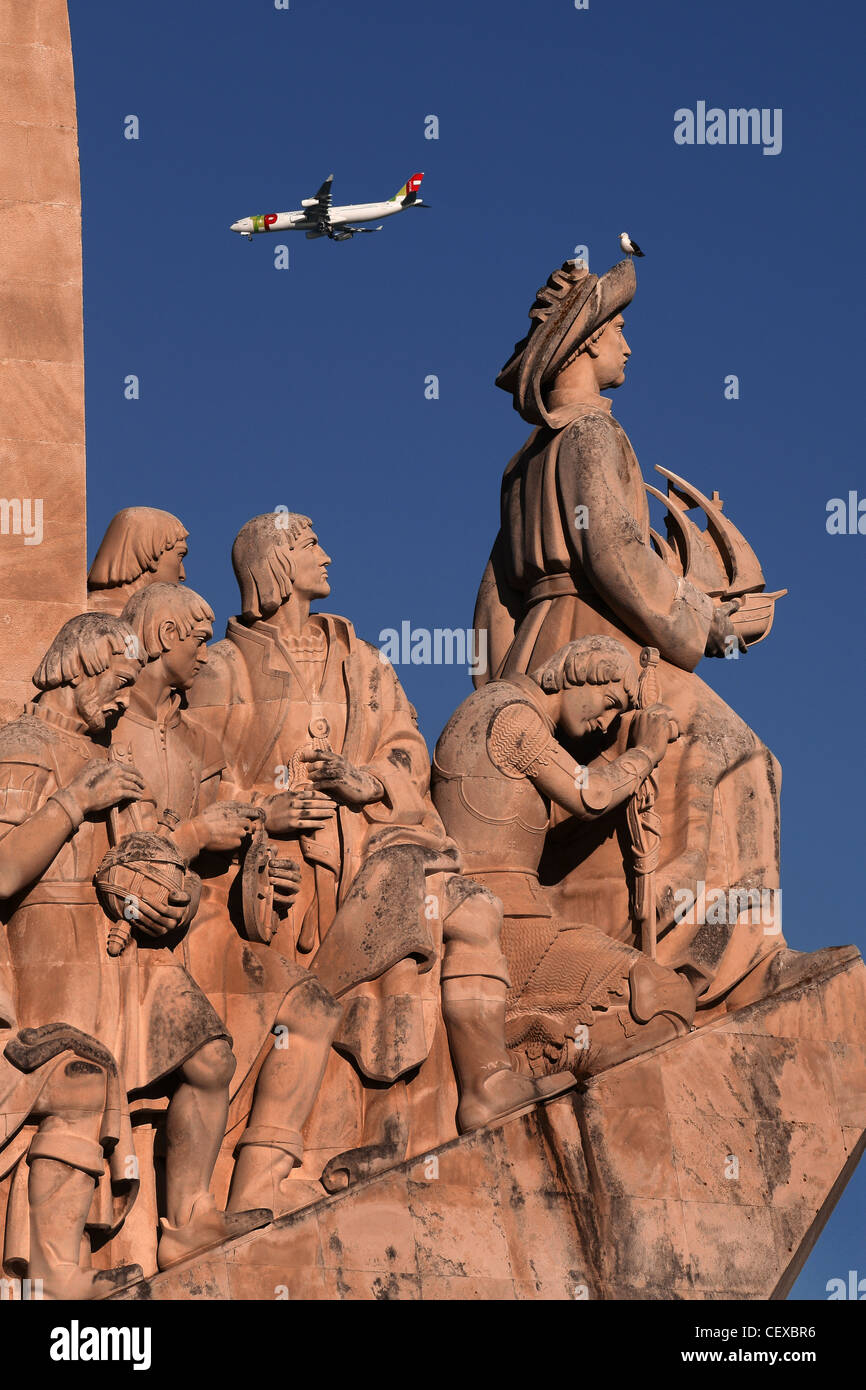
[[306, 387]]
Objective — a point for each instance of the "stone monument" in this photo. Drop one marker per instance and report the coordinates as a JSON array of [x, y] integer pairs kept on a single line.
[[289, 1011]]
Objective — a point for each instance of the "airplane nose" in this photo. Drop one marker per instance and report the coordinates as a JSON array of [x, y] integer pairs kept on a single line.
[[235, 227]]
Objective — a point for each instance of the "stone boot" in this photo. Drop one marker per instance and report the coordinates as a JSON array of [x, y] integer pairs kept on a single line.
[[490, 1089], [206, 1228], [261, 1179]]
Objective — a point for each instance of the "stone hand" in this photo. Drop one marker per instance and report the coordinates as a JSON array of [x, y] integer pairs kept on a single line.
[[156, 921], [285, 877], [225, 824], [652, 730], [100, 785], [299, 811], [333, 773], [722, 633]]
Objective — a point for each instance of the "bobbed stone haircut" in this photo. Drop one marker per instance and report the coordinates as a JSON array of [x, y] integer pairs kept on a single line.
[[262, 560], [84, 646], [589, 661], [132, 546], [159, 603]]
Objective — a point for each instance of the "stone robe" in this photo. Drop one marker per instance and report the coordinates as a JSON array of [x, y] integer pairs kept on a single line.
[[374, 941], [557, 573]]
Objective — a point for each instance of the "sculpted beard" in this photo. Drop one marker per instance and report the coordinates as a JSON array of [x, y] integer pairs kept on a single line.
[[90, 707]]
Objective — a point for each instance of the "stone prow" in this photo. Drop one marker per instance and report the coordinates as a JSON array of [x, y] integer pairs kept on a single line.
[[705, 1169]]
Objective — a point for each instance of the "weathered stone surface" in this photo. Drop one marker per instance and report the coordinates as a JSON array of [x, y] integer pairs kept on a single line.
[[41, 340], [619, 1192]]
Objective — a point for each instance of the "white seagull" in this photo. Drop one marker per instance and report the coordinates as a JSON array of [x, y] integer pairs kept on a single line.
[[630, 247]]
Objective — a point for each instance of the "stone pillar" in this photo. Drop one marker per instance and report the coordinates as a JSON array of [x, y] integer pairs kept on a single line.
[[42, 482]]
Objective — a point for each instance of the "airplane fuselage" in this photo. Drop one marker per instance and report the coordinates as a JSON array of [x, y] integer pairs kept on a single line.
[[301, 221]]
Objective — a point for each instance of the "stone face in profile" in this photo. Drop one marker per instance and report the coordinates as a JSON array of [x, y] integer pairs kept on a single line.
[[142, 546]]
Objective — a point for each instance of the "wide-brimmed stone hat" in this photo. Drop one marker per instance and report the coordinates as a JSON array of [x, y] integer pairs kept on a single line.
[[567, 310]]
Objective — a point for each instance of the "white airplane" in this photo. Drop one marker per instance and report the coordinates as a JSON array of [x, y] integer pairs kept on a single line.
[[317, 217]]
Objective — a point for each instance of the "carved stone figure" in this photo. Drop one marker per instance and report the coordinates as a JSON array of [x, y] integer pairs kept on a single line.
[[289, 1019], [142, 546], [575, 556], [316, 729], [578, 998], [140, 1008]]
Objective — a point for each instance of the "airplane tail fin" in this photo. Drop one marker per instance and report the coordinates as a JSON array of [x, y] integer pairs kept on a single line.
[[408, 194]]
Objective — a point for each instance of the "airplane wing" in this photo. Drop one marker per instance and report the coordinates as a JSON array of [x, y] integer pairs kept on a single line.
[[319, 207]]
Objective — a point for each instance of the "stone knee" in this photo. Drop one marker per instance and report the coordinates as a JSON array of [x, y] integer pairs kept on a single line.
[[291, 1073], [212, 1067], [309, 1012], [75, 1091], [70, 1110], [472, 929]]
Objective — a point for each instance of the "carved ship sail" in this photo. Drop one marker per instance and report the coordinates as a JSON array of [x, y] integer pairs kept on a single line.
[[718, 560]]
